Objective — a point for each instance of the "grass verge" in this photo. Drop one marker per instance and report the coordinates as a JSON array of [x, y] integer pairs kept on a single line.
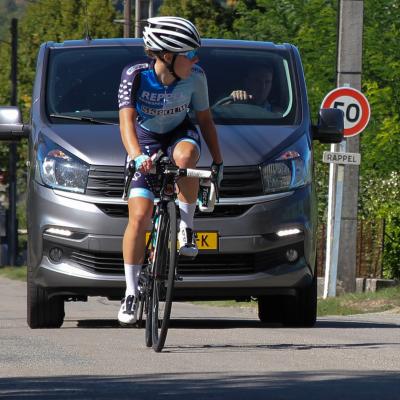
[[353, 303], [361, 303], [18, 273]]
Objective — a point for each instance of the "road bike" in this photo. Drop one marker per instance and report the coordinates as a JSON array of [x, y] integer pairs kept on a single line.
[[159, 271]]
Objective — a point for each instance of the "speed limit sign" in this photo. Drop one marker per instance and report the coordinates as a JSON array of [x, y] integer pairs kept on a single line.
[[354, 105]]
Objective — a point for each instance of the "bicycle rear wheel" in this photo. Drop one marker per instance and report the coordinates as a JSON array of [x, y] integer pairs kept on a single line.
[[164, 276]]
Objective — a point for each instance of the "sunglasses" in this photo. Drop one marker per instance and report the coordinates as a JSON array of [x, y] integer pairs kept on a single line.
[[189, 54]]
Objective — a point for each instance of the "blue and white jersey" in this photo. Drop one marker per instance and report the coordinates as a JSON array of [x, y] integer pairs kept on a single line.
[[161, 108]]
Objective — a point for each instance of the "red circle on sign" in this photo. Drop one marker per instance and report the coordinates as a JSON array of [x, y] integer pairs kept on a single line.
[[362, 100]]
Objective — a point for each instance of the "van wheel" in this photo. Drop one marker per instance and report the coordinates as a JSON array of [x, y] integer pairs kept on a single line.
[[299, 311], [270, 309], [307, 305], [43, 311]]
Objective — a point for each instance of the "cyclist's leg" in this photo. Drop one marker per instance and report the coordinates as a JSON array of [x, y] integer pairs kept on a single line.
[[140, 206], [186, 155], [185, 152], [140, 210]]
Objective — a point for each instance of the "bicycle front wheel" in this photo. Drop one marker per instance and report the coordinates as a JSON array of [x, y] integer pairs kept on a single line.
[[164, 276]]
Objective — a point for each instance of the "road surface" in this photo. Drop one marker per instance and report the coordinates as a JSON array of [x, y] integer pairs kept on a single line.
[[211, 353]]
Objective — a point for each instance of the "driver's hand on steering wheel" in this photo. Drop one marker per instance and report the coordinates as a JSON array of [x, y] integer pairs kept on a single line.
[[241, 95]]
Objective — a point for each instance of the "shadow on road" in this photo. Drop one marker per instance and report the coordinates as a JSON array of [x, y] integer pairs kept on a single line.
[[313, 385], [223, 323], [281, 346]]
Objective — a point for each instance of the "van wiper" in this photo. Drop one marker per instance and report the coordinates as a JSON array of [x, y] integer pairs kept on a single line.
[[86, 119]]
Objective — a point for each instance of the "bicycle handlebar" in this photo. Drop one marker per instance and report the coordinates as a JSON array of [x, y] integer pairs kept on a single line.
[[158, 160]]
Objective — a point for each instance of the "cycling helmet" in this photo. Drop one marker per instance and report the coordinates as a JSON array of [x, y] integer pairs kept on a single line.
[[172, 34]]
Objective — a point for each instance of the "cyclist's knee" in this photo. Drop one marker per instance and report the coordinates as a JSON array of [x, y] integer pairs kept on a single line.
[[186, 156], [138, 221]]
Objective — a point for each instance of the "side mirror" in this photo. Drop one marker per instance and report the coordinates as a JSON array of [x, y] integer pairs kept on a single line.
[[11, 126], [330, 126]]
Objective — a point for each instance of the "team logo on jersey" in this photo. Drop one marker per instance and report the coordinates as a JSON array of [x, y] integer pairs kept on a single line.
[[158, 98], [163, 112]]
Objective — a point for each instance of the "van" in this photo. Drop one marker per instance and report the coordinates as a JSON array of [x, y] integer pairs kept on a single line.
[[260, 240]]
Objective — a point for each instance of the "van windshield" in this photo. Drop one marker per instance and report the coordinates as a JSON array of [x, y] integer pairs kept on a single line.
[[246, 86]]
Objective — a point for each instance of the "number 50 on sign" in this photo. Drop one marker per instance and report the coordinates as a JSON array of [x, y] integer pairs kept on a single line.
[[354, 105]]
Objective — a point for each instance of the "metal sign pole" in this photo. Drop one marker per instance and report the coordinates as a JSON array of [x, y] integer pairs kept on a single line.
[[330, 220], [333, 244]]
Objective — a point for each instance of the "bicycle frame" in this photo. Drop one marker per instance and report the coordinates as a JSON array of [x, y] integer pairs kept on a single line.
[[152, 276]]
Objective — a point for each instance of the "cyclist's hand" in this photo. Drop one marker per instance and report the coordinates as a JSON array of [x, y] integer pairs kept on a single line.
[[218, 172], [143, 163], [241, 95]]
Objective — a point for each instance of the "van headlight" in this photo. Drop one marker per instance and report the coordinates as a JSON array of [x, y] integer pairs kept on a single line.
[[59, 169], [292, 169]]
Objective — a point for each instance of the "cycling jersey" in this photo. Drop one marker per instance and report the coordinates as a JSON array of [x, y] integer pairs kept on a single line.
[[161, 108]]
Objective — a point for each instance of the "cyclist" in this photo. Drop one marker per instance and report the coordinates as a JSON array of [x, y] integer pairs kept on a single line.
[[154, 98]]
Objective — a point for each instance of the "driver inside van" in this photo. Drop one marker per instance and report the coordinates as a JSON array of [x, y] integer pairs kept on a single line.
[[256, 89]]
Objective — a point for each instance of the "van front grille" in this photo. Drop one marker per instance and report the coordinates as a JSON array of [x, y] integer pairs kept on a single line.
[[203, 264], [105, 181], [220, 211], [108, 181]]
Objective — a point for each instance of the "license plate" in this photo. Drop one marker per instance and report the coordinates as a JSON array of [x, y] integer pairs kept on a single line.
[[205, 240]]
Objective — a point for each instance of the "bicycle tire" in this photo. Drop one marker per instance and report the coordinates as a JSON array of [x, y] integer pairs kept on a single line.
[[148, 328], [164, 276], [146, 302], [148, 292]]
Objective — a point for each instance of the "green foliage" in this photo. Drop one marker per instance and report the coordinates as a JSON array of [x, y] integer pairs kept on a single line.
[[10, 9], [210, 17], [46, 20], [380, 198]]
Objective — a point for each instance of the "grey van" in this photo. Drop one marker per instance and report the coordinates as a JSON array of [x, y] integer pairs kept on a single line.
[[260, 241]]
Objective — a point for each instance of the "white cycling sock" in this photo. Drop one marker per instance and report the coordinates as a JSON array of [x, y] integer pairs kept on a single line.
[[187, 214], [132, 273]]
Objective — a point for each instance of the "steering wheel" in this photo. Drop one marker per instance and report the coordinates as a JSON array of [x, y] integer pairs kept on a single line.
[[223, 101]]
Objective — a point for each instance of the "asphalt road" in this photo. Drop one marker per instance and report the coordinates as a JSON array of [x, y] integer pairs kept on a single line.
[[211, 353]]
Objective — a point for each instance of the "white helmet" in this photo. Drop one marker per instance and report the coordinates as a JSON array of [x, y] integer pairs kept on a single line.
[[172, 34]]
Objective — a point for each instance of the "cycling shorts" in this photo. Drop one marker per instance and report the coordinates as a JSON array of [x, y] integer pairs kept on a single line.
[[146, 185]]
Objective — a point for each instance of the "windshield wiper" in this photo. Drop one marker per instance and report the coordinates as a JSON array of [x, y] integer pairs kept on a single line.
[[83, 118]]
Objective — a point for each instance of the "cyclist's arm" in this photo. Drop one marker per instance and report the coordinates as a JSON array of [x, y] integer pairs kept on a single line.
[[127, 117], [209, 133]]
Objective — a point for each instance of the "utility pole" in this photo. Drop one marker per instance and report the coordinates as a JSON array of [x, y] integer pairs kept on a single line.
[[143, 9], [349, 65], [138, 17], [13, 156], [127, 18]]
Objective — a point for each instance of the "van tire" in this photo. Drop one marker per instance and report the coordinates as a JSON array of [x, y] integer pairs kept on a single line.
[[294, 311], [43, 311], [270, 309], [307, 305]]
